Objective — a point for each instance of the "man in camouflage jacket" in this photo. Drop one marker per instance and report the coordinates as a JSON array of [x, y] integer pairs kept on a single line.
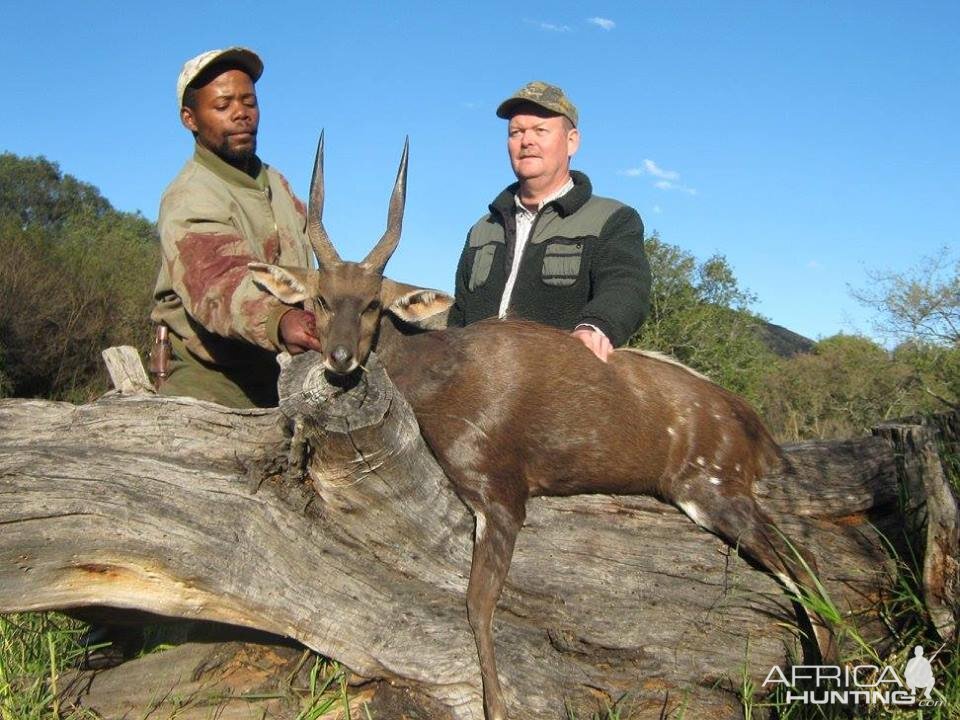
[[225, 209], [549, 250]]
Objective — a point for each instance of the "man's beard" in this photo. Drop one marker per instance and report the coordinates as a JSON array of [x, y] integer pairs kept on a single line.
[[240, 156]]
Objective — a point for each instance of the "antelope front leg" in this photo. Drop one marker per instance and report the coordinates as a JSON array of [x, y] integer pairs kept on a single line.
[[497, 528]]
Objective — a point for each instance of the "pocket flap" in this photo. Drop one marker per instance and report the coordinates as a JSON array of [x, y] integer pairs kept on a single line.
[[482, 262], [561, 262]]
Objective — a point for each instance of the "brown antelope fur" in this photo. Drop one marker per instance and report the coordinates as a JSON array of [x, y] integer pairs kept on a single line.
[[512, 409]]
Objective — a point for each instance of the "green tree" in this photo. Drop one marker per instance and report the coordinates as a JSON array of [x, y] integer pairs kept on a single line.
[[936, 368], [77, 278], [845, 387], [34, 190], [700, 315], [921, 304], [920, 309]]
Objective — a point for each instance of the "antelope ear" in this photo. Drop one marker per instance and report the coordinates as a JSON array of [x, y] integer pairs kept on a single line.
[[411, 303], [286, 284]]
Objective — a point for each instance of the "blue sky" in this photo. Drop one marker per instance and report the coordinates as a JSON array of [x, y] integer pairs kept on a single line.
[[809, 142]]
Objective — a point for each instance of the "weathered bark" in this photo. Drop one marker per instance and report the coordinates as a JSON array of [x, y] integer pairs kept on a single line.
[[933, 521], [188, 509], [126, 370]]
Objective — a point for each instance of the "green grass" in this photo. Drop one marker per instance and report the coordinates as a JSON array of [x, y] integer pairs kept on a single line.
[[36, 648], [34, 651], [906, 620], [908, 624]]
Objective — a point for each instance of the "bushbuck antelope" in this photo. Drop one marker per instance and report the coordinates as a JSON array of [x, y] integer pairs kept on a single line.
[[639, 424]]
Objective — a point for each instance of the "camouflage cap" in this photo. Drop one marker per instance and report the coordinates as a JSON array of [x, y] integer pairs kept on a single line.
[[244, 57], [547, 96]]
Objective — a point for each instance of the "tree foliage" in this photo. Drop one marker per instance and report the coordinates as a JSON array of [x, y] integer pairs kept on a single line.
[[921, 304], [849, 383], [700, 315], [34, 191], [76, 278], [842, 387], [846, 385]]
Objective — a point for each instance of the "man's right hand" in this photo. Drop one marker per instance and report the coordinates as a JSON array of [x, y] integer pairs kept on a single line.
[[298, 331]]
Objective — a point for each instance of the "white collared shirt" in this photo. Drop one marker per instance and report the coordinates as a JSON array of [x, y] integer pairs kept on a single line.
[[525, 219]]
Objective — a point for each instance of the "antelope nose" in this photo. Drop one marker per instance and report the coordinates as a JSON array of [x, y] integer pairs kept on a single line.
[[341, 358]]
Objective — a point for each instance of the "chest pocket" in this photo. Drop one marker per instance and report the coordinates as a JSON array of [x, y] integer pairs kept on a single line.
[[561, 262], [482, 262]]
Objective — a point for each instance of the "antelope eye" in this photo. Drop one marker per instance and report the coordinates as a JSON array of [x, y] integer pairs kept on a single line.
[[374, 305]]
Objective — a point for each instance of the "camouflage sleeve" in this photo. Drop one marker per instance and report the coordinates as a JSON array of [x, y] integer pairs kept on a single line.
[[206, 257]]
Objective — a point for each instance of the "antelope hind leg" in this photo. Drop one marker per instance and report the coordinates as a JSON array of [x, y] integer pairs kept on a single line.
[[740, 522]]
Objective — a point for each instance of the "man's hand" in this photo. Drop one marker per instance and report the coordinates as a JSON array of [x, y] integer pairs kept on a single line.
[[595, 340], [298, 331]]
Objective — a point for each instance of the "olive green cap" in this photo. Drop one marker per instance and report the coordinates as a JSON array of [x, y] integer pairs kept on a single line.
[[244, 57], [547, 96]]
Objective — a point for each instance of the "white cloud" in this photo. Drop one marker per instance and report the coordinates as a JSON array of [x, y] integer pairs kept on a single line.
[[602, 22], [666, 179], [813, 265], [551, 27], [651, 167], [657, 209]]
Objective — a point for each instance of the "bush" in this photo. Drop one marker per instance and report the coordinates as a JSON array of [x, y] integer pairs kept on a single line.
[[77, 277]]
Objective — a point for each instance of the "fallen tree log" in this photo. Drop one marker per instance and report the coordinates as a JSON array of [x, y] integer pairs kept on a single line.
[[191, 510]]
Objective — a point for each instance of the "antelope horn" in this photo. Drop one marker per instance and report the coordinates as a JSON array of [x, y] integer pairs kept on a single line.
[[326, 253], [382, 251]]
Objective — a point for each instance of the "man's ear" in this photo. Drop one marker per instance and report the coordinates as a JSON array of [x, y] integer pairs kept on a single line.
[[285, 283], [573, 142], [412, 304], [188, 120]]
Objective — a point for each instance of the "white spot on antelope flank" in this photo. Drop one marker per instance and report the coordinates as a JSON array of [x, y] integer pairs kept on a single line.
[[671, 432], [715, 480], [716, 467], [694, 513], [700, 461], [737, 467]]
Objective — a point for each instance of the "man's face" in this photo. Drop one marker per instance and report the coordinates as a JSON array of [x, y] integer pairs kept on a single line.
[[540, 145], [226, 116]]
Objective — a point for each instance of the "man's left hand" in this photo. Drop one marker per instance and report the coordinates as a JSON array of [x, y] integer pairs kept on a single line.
[[298, 331], [595, 340]]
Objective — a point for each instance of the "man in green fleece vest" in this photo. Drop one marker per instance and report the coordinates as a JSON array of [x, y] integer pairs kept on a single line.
[[225, 209], [549, 250]]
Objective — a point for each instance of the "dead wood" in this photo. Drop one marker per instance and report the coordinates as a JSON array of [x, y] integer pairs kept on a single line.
[[191, 510]]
